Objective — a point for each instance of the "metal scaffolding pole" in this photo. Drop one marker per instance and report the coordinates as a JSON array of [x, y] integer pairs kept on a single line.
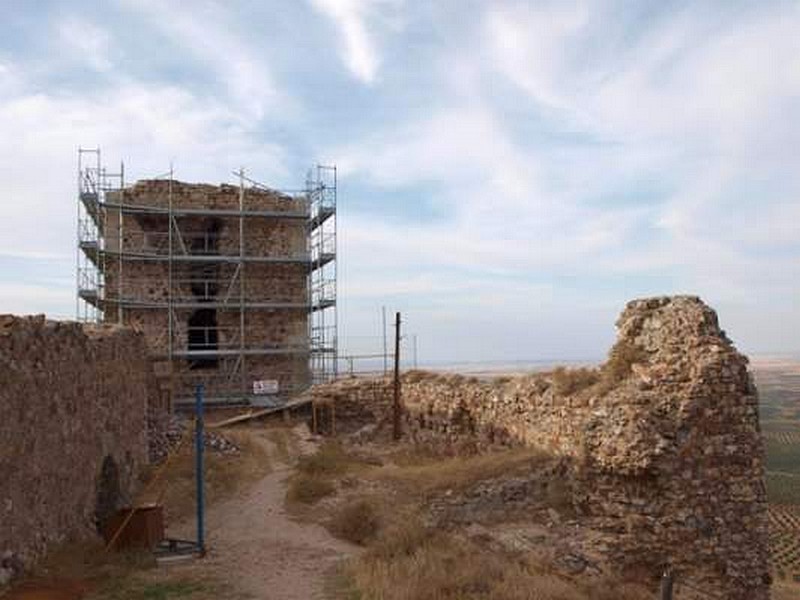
[[321, 192], [170, 324], [242, 363], [121, 242]]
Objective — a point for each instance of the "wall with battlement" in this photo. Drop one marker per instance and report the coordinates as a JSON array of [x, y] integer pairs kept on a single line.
[[74, 407], [663, 439]]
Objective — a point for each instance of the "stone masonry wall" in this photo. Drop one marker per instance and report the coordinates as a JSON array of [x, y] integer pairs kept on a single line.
[[279, 276], [664, 440], [73, 428]]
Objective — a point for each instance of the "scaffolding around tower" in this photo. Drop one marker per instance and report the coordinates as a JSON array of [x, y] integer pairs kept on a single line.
[[94, 181], [233, 286], [323, 324]]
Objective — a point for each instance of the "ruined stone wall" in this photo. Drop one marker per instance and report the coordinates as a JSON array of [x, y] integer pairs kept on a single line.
[[664, 440], [71, 399]]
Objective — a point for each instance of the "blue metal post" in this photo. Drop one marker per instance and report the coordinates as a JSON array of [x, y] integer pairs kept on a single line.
[[199, 474]]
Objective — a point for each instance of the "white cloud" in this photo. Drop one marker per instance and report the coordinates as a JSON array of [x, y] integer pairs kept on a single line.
[[697, 110], [532, 46], [9, 79], [356, 21], [682, 76], [146, 125], [502, 214], [573, 157], [32, 299], [88, 42], [208, 33]]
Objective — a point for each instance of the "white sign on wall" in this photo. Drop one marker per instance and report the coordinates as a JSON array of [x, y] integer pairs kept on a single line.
[[265, 386]]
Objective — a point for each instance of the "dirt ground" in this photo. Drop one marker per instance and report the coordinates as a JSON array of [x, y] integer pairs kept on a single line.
[[255, 546], [259, 550]]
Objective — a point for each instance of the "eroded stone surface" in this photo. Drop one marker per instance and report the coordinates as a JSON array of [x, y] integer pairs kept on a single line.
[[71, 399]]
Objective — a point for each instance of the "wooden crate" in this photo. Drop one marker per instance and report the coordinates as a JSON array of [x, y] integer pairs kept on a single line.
[[144, 529]]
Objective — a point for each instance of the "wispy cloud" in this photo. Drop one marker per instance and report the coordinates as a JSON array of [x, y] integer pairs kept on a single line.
[[88, 42], [147, 125], [356, 22], [211, 33]]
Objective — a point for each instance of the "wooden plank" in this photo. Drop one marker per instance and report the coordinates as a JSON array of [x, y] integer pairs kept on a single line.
[[255, 414]]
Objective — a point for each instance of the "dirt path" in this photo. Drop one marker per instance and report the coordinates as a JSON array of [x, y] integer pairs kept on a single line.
[[256, 547]]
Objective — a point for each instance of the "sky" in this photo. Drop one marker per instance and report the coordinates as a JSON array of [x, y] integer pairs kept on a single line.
[[510, 173]]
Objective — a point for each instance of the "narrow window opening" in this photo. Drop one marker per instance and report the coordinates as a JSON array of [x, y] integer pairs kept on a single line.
[[203, 336]]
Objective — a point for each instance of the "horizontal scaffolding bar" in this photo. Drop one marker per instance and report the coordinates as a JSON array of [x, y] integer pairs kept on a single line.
[[208, 258], [232, 305], [245, 351], [128, 209]]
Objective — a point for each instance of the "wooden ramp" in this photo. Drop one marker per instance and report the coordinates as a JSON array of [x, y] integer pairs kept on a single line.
[[301, 400]]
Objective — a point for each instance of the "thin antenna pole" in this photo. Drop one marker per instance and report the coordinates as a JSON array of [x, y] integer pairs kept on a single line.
[[397, 425], [414, 341], [385, 354]]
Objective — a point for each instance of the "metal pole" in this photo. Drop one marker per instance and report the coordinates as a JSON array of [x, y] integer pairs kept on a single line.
[[335, 278], [667, 580], [414, 340], [78, 240], [199, 475], [385, 356], [170, 324], [242, 366], [397, 429], [121, 242]]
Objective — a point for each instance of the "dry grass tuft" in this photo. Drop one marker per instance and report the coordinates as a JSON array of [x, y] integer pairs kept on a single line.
[[225, 475], [308, 489], [330, 459], [571, 381], [284, 441], [314, 472], [400, 538], [417, 375], [459, 472], [357, 522], [621, 358], [438, 566]]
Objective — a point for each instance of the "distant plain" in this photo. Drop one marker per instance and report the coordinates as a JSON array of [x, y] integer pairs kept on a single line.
[[778, 382]]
